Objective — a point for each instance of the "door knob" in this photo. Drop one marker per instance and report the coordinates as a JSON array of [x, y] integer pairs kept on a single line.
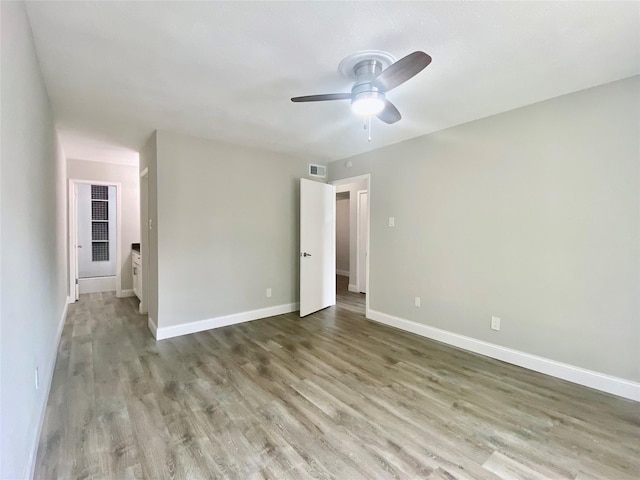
[[305, 254]]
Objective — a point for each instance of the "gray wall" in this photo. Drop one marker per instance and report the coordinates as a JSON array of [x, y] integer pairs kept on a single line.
[[342, 232], [531, 216], [33, 228], [129, 178], [227, 228]]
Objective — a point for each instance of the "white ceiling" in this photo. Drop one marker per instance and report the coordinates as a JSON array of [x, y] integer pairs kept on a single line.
[[116, 71]]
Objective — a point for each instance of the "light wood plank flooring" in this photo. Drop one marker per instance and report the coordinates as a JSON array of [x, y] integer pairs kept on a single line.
[[328, 396]]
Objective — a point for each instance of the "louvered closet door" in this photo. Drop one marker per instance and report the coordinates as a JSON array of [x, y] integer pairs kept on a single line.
[[96, 230]]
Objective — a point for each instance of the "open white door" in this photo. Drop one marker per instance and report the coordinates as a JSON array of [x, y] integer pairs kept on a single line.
[[317, 246]]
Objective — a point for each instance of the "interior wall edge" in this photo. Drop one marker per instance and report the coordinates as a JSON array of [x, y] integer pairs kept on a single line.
[[152, 327]]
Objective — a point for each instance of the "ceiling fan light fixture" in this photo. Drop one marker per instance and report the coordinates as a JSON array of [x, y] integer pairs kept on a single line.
[[368, 104], [374, 78]]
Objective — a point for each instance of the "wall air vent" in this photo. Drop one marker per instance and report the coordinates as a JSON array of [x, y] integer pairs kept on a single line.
[[317, 170]]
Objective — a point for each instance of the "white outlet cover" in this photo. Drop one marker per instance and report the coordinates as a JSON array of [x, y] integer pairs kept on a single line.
[[268, 292], [495, 323], [417, 302], [392, 221]]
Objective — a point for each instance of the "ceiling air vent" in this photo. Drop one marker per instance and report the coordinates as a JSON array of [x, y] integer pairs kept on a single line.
[[317, 170]]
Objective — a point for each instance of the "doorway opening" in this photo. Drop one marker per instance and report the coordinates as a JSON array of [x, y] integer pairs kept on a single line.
[[94, 232], [352, 243]]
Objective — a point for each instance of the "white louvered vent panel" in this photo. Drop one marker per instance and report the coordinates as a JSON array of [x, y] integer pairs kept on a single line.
[[317, 170]]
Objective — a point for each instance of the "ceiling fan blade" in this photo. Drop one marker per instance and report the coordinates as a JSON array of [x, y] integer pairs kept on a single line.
[[389, 113], [322, 98], [399, 72]]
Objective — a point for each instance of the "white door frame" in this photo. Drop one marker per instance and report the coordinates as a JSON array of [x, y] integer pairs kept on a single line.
[[144, 239], [73, 234], [359, 238], [359, 178]]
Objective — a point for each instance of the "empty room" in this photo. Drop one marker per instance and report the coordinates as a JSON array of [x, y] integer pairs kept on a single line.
[[337, 240]]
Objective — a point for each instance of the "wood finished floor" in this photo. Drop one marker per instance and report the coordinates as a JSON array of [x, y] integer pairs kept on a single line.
[[328, 396]]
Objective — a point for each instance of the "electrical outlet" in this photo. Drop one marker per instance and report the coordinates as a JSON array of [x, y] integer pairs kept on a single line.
[[37, 379], [392, 221], [416, 302], [495, 323], [268, 293]]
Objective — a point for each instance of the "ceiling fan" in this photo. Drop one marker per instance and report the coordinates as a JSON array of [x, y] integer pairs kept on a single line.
[[373, 81]]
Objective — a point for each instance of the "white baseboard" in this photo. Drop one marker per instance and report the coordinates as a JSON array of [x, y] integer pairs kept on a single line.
[[581, 376], [126, 293], [47, 379], [344, 273], [353, 288], [153, 327], [224, 321], [97, 284]]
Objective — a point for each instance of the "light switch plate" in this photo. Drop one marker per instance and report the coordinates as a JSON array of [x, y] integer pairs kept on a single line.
[[392, 221]]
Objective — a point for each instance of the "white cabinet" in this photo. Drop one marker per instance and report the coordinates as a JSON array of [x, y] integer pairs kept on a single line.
[[136, 265]]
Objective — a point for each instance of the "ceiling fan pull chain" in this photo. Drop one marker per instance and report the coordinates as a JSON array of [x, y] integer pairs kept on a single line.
[[369, 129]]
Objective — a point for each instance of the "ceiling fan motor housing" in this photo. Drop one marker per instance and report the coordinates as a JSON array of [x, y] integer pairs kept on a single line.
[[365, 72]]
